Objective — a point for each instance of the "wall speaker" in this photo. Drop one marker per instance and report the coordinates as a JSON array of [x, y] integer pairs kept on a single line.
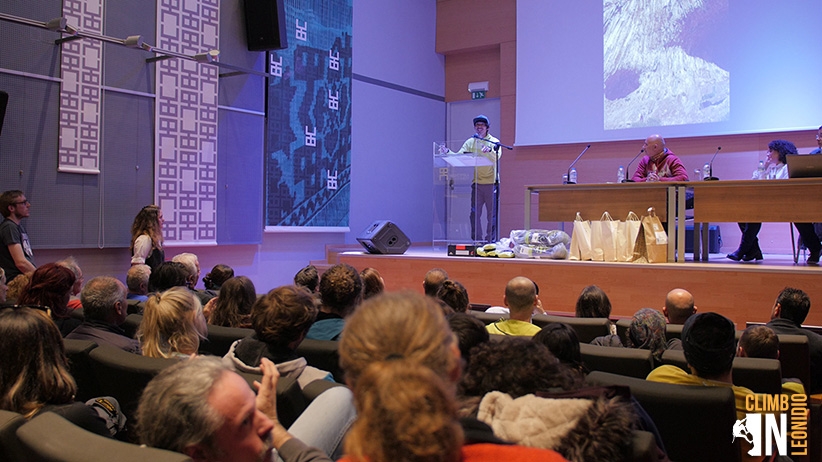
[[384, 237], [265, 25], [4, 101]]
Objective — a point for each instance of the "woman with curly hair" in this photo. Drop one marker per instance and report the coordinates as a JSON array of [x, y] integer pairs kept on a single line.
[[50, 286], [35, 376], [454, 294], [173, 324], [527, 396], [147, 237], [232, 308], [280, 319]]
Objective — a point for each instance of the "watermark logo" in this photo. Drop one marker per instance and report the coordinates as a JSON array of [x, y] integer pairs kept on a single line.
[[765, 426]]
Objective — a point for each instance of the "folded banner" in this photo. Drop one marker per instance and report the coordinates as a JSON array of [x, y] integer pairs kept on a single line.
[[603, 238], [651, 241], [581, 240]]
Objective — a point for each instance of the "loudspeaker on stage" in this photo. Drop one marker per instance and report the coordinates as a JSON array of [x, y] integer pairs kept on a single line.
[[384, 237]]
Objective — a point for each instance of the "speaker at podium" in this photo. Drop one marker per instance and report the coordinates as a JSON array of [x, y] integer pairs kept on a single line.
[[384, 237]]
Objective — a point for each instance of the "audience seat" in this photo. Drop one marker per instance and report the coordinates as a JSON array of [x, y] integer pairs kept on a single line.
[[131, 324], [10, 446], [322, 354], [124, 375], [220, 339], [487, 318], [51, 438], [290, 399], [587, 329], [624, 361], [77, 352], [694, 422], [795, 358], [758, 374]]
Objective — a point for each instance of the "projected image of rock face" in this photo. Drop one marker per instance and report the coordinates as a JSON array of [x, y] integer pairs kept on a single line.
[[659, 66]]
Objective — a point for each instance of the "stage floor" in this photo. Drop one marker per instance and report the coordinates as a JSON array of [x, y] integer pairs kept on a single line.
[[741, 291]]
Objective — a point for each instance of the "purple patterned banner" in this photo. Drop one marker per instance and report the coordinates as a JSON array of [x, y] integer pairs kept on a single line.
[[80, 92], [186, 121]]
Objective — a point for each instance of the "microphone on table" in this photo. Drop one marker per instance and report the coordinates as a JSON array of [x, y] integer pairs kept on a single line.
[[628, 169], [710, 170], [574, 163]]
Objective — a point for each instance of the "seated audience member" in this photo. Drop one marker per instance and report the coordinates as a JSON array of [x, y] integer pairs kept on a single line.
[[504, 382], [232, 307], [521, 299], [762, 342], [309, 278], [470, 332], [202, 408], [50, 286], [137, 282], [16, 285], [561, 339], [372, 283], [454, 294], [105, 308], [281, 319], [168, 274], [789, 312], [593, 302], [433, 280], [504, 310], [34, 377], [173, 324], [192, 265], [679, 306], [407, 412], [217, 276], [3, 287], [708, 340], [646, 332], [71, 263], [340, 293]]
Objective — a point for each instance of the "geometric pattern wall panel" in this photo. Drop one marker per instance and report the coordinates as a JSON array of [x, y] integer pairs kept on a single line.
[[186, 121], [80, 92], [308, 145]]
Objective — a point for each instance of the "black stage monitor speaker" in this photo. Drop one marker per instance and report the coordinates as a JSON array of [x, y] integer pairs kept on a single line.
[[384, 237], [4, 101], [265, 25]]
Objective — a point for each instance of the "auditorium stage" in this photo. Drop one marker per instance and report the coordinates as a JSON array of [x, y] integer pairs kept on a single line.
[[741, 291]]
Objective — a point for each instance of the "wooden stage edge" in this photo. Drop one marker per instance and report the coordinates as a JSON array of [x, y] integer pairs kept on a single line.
[[744, 292]]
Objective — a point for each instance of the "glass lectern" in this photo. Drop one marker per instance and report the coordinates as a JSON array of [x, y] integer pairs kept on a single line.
[[453, 175]]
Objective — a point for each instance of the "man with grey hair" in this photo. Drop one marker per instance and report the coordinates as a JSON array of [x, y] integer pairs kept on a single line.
[[137, 282], [521, 299], [202, 408], [105, 308], [192, 264]]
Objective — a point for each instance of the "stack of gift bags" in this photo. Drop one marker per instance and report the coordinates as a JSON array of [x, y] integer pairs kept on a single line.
[[633, 240]]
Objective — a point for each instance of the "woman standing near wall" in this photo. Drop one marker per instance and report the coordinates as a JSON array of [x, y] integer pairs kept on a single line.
[[147, 237]]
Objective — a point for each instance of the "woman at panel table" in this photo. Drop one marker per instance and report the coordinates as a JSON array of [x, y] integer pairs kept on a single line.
[[776, 168]]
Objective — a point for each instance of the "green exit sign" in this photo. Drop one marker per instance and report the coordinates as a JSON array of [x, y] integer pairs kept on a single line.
[[478, 94]]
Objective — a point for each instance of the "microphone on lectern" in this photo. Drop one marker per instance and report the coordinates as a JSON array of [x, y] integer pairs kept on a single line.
[[628, 169]]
